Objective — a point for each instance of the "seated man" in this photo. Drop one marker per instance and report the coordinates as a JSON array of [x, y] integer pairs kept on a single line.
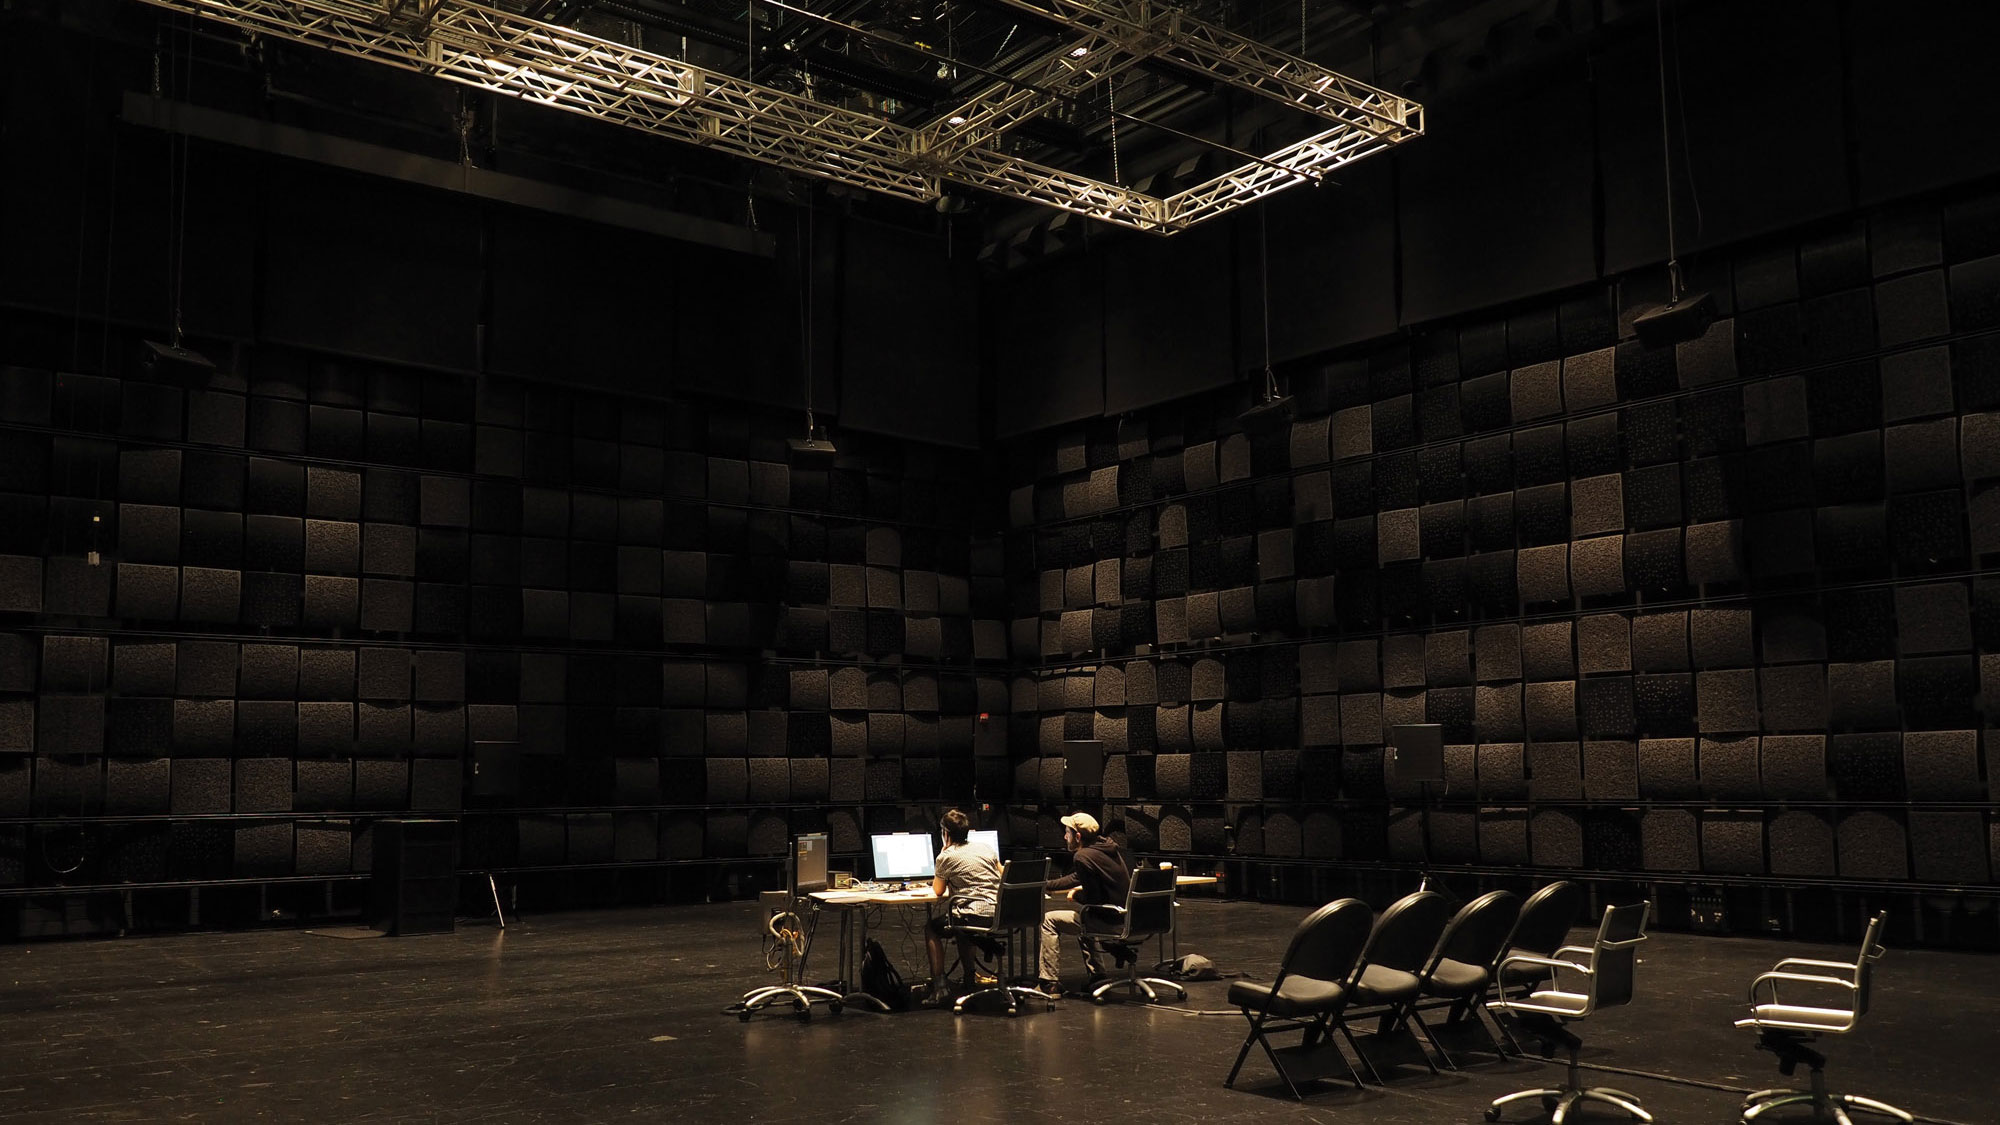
[[968, 880], [1097, 882]]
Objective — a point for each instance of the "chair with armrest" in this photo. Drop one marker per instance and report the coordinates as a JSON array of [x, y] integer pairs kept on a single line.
[[1386, 977], [1541, 928], [1307, 996], [1579, 980], [1461, 967], [1017, 917], [1787, 1030], [1148, 913]]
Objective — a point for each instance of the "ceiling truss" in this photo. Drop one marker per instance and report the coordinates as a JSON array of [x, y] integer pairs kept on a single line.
[[509, 53]]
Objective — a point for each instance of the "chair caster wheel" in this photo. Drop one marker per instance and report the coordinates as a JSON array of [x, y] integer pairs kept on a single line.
[[743, 1016], [1492, 1114], [1099, 1001], [805, 1015], [834, 1007]]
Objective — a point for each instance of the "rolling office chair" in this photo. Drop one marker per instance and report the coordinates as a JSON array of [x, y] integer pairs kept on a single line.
[[1786, 1030], [1386, 976], [1148, 913], [1605, 969], [1017, 911], [1307, 995], [1461, 967], [1541, 928]]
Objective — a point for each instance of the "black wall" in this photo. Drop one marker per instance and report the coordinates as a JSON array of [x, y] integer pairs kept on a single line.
[[466, 473]]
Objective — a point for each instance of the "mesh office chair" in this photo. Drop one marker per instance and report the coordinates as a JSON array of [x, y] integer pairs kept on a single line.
[[1461, 967], [1787, 1029], [1307, 995], [1386, 976], [1541, 928], [1017, 912], [1148, 913], [1603, 979]]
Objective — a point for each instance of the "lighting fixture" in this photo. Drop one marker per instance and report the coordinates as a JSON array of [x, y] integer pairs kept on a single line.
[[504, 52]]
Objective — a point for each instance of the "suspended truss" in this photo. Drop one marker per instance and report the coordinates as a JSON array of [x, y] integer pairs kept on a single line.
[[508, 53]]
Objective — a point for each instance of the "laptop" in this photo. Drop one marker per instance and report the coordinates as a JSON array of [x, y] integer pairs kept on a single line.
[[987, 836], [902, 856]]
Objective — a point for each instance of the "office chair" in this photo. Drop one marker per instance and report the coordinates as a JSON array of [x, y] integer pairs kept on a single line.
[[1148, 913], [1786, 1030], [1605, 972], [1541, 928], [1306, 996], [1386, 975], [1461, 967], [1017, 911]]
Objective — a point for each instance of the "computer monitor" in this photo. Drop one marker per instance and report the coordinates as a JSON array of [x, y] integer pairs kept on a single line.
[[1418, 750], [809, 863], [986, 836], [903, 855]]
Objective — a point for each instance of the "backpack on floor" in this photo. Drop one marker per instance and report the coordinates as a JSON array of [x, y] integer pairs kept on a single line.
[[880, 979]]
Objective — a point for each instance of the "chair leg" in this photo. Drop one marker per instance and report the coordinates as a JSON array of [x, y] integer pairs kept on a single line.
[[1434, 1041], [1365, 1061]]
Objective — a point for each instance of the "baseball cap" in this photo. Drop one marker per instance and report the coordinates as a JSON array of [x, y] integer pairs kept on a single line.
[[1081, 821]]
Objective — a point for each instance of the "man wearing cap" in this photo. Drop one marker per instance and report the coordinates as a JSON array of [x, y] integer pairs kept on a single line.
[[1098, 880]]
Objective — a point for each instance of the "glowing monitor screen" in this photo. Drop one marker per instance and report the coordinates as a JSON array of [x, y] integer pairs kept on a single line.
[[986, 836], [903, 855]]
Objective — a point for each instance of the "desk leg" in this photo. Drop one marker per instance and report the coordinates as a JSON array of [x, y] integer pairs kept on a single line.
[[858, 950]]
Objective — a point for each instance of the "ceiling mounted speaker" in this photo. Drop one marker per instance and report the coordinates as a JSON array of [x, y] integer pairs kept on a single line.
[[1676, 322]]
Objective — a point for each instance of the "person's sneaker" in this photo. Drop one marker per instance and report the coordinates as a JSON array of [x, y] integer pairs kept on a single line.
[[1051, 989], [984, 980]]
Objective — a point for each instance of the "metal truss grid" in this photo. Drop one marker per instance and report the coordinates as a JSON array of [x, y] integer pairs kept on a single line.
[[508, 53]]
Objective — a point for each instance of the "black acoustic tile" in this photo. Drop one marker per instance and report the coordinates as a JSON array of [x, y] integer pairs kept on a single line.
[[1942, 766], [1937, 692], [1928, 528], [271, 600], [1610, 771], [1932, 618], [1540, 456], [1873, 845], [1542, 514], [274, 543], [1922, 455], [1653, 560], [147, 593], [1726, 701], [333, 547]]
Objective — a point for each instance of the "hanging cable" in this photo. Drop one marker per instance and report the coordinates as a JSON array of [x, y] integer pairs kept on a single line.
[[1117, 174], [178, 193], [806, 313], [1264, 277], [1675, 288]]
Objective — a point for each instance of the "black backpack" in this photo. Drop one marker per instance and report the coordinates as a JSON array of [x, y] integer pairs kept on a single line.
[[880, 979]]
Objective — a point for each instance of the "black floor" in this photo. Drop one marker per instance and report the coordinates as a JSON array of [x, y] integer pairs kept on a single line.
[[608, 1016]]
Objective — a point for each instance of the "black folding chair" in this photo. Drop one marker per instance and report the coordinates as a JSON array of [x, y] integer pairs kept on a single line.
[[1386, 977], [1306, 996], [1460, 968]]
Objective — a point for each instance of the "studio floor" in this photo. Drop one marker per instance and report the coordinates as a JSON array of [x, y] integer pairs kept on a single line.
[[613, 1015]]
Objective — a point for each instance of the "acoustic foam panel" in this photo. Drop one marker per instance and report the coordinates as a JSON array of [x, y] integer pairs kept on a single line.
[[1667, 769], [1942, 765], [1667, 840], [1502, 771], [1610, 771], [1873, 845], [1945, 847], [1732, 842], [1794, 697]]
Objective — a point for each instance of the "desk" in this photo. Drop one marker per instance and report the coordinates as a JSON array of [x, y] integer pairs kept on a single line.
[[854, 936]]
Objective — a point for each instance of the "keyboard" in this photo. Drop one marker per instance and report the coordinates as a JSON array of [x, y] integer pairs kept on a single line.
[[887, 888]]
